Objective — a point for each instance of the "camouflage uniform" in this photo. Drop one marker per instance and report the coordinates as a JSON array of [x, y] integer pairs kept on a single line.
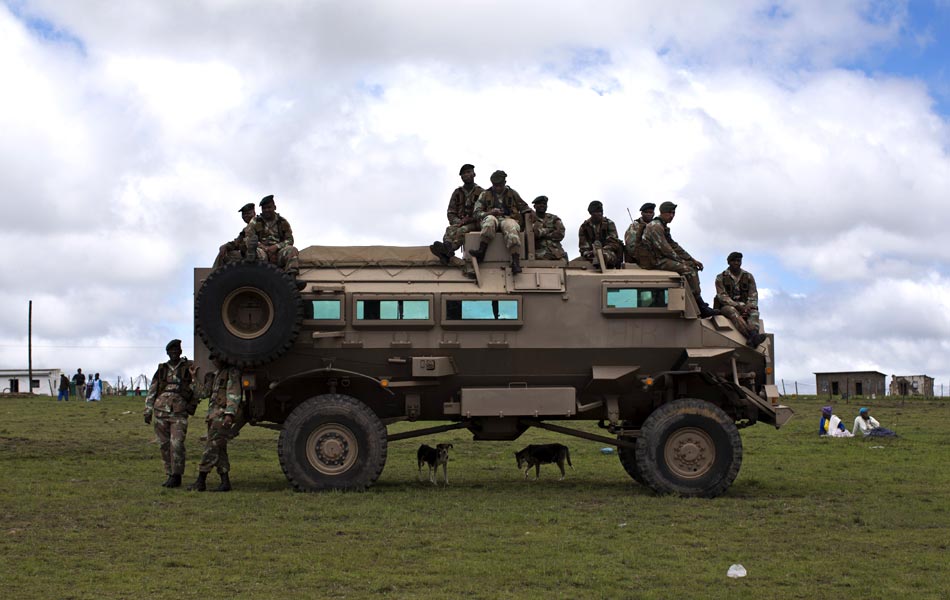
[[461, 215], [512, 206], [170, 400], [273, 240], [734, 295], [548, 233], [659, 251], [606, 234], [630, 239], [225, 398], [235, 251]]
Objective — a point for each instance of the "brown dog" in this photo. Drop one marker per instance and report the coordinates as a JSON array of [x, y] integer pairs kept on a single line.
[[536, 455], [433, 457]]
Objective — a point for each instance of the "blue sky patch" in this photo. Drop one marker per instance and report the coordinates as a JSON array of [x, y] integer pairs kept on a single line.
[[44, 29]]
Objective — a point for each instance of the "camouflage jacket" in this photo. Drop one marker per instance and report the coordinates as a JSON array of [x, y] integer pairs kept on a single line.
[[462, 204], [548, 233], [224, 392], [630, 238], [269, 233], [171, 389], [731, 290], [658, 244], [509, 201], [605, 233], [237, 243]]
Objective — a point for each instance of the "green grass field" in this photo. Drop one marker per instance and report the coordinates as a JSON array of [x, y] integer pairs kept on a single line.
[[83, 516]]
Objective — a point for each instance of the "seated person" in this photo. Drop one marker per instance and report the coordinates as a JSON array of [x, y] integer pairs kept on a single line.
[[869, 426], [830, 425]]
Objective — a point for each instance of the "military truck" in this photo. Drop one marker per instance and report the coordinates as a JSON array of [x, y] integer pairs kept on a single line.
[[381, 335]]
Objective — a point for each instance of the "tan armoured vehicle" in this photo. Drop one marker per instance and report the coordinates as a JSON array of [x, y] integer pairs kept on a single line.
[[384, 334]]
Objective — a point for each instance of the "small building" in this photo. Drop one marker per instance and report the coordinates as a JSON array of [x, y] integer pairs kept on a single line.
[[15, 381], [849, 384], [912, 385]]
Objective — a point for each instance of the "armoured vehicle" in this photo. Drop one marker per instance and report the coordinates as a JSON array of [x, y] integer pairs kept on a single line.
[[385, 334]]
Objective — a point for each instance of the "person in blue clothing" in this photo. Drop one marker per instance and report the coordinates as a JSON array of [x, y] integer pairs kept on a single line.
[[830, 425]]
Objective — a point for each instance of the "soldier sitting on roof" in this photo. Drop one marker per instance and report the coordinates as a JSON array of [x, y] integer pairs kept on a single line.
[[499, 207], [234, 251], [461, 216], [599, 232], [271, 233], [548, 232], [738, 299]]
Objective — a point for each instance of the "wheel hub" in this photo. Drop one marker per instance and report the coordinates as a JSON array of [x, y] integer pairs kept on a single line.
[[332, 449], [690, 452], [247, 312]]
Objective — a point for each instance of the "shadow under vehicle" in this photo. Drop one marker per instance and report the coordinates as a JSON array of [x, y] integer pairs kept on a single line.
[[386, 334]]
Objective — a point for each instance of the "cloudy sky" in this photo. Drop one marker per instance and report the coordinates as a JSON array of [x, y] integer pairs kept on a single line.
[[811, 135]]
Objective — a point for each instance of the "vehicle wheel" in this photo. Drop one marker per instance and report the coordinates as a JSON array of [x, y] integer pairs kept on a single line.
[[628, 458], [332, 442], [248, 313], [689, 447]]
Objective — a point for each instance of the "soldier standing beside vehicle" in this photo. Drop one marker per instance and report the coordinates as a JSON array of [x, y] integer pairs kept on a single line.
[[461, 215], [500, 207], [548, 232], [170, 401], [235, 250], [224, 419], [635, 231], [599, 232], [271, 233], [738, 299], [657, 250]]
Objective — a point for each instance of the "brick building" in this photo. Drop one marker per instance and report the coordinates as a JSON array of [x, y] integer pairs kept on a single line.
[[851, 383]]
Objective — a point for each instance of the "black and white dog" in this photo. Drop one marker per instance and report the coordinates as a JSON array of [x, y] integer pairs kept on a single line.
[[536, 455], [433, 457]]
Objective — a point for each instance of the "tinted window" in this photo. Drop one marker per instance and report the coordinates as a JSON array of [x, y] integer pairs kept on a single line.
[[637, 297], [481, 310], [392, 310], [329, 310]]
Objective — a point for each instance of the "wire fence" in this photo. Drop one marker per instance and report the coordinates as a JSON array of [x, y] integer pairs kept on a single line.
[[790, 387]]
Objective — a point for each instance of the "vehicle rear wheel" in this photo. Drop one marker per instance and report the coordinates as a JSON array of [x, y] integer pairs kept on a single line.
[[332, 442], [628, 458], [690, 448], [248, 313]]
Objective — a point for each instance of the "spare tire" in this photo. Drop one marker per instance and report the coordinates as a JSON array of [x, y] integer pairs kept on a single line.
[[248, 313]]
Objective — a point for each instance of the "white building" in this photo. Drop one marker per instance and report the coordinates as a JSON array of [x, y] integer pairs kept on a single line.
[[45, 381]]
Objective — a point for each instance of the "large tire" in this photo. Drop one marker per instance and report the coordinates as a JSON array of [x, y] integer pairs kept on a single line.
[[248, 313], [628, 459], [332, 442], [690, 448]]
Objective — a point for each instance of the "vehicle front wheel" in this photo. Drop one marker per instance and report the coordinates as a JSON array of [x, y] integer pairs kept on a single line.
[[689, 447], [628, 458], [332, 442]]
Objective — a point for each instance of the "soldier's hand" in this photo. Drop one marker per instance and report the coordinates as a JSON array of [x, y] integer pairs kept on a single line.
[[698, 265], [193, 370], [148, 418], [228, 421], [496, 212]]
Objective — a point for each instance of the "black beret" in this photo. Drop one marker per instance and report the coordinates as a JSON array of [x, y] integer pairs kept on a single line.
[[267, 199], [466, 167], [734, 256], [498, 176], [595, 206], [173, 344], [248, 206], [647, 206], [540, 200], [667, 207]]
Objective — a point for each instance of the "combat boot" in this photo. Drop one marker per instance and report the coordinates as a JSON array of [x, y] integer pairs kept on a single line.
[[199, 485], [225, 483], [439, 249], [173, 481], [515, 264], [480, 253], [705, 311], [755, 338]]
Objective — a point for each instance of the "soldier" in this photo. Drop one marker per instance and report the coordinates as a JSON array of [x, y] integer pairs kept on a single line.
[[634, 231], [170, 399], [499, 207], [655, 249], [234, 251], [271, 233], [225, 419], [461, 215], [738, 299], [599, 232], [548, 232]]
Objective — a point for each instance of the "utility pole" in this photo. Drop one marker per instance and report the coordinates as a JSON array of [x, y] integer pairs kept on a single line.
[[29, 335], [783, 387], [796, 389]]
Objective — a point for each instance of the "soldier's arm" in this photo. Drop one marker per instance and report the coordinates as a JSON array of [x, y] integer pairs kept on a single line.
[[656, 237], [721, 295], [479, 210], [455, 207], [251, 239], [153, 390], [521, 204], [557, 232], [613, 240], [753, 300], [681, 252], [629, 237], [288, 236], [235, 394], [583, 244]]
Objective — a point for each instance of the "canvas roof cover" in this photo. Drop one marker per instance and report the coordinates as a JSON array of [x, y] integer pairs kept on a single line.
[[358, 256]]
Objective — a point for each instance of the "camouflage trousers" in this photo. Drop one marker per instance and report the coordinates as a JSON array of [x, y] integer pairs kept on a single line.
[[235, 256], [285, 258], [509, 228], [684, 269], [170, 430], [454, 237], [215, 454], [612, 258], [745, 324], [549, 250]]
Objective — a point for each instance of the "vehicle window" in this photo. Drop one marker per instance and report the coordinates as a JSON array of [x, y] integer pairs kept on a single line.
[[329, 310], [392, 310], [638, 297], [481, 310]]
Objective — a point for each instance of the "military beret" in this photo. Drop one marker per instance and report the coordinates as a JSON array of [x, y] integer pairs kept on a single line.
[[248, 206], [595, 206], [647, 206], [466, 167], [667, 207], [540, 200], [267, 199], [173, 344], [734, 256], [498, 176]]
